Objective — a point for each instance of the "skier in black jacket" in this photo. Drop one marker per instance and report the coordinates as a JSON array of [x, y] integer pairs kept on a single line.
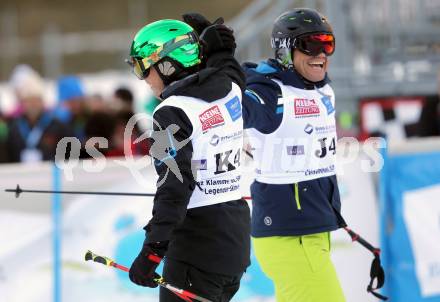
[[200, 223]]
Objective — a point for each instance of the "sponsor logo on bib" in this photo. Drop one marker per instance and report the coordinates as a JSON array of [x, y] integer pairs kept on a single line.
[[295, 150], [200, 164], [234, 108], [326, 100], [211, 118], [306, 108], [325, 129], [318, 171], [308, 129], [215, 139]]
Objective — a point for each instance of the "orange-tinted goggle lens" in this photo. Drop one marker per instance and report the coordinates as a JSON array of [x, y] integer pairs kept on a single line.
[[322, 37], [313, 45]]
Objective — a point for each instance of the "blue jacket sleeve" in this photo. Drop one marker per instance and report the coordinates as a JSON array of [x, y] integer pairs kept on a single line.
[[260, 99]]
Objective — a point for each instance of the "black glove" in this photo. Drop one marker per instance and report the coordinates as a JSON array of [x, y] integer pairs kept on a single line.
[[199, 22], [143, 269], [217, 37]]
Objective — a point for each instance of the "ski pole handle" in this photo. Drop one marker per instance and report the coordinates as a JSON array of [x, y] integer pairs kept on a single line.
[[104, 260], [183, 294]]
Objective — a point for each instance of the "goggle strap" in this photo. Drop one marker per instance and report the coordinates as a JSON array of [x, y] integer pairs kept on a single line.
[[167, 48]]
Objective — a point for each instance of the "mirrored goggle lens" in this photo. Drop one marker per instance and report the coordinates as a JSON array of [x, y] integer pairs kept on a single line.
[[138, 68], [322, 37], [313, 45]]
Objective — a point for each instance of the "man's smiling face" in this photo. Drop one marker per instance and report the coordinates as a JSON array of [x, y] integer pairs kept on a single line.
[[313, 68]]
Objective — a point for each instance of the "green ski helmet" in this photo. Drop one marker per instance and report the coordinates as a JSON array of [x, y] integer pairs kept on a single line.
[[172, 39]]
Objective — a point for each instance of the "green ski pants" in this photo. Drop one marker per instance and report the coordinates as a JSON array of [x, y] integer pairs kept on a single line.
[[300, 267]]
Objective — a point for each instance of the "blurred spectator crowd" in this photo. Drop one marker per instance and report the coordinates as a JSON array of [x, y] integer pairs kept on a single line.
[[31, 132]]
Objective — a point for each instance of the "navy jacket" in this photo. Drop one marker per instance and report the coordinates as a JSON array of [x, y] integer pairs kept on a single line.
[[274, 209]]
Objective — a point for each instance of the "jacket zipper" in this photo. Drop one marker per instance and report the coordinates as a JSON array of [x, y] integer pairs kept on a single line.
[[298, 204]]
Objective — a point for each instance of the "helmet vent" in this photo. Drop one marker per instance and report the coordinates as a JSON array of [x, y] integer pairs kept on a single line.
[[172, 29], [292, 28]]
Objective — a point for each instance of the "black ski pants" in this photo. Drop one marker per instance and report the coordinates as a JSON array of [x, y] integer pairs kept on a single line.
[[214, 287]]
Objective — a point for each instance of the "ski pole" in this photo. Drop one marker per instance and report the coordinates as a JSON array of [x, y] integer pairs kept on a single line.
[[19, 190], [183, 294], [356, 237], [376, 271]]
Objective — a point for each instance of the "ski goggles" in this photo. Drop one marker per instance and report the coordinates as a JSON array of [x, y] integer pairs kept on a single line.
[[141, 67], [313, 45], [138, 67]]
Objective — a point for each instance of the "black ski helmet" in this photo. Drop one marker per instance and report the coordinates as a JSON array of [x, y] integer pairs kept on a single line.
[[292, 24], [295, 23]]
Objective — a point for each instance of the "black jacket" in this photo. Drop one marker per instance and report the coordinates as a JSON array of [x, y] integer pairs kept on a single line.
[[213, 238]]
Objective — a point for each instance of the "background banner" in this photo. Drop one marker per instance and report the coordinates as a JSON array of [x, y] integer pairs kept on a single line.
[[410, 226]]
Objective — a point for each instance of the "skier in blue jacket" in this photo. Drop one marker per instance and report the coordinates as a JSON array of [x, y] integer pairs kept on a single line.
[[289, 110]]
